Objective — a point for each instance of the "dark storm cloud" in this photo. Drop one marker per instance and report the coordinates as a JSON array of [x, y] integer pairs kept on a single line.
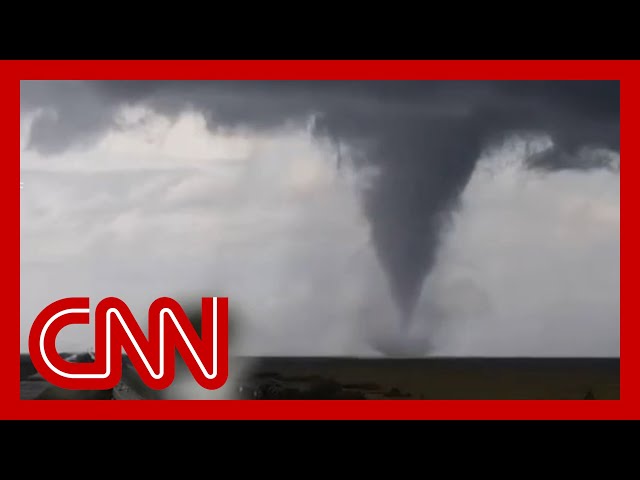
[[424, 138]]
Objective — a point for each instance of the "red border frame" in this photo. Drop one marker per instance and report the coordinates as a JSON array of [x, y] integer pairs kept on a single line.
[[628, 72]]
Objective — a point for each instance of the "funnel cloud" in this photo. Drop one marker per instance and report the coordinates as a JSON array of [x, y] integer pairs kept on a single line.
[[422, 139]]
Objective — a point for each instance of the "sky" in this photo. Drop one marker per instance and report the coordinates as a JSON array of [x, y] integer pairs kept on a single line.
[[341, 218]]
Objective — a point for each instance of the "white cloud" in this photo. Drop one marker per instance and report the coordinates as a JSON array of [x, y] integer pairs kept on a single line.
[[530, 266], [543, 252]]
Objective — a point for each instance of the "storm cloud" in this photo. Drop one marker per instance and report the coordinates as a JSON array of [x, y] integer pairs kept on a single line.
[[420, 139]]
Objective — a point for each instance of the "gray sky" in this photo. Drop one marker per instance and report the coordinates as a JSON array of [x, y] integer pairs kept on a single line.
[[341, 218]]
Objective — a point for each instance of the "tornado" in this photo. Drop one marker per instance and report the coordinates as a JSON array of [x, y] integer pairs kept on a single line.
[[423, 138]]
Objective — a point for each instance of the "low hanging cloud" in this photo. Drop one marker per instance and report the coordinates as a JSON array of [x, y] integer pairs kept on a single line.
[[420, 142]]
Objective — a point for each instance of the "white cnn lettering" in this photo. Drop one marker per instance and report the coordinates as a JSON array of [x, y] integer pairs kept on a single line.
[[163, 317]]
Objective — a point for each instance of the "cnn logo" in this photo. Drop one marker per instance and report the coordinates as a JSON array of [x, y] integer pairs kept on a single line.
[[206, 355]]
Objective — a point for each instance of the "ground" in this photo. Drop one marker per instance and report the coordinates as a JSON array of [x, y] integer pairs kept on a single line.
[[428, 378]]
